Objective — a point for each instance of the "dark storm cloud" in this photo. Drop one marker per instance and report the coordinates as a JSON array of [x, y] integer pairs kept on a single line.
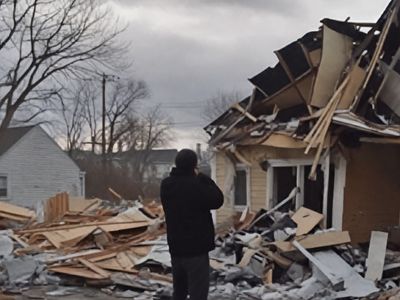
[[277, 6]]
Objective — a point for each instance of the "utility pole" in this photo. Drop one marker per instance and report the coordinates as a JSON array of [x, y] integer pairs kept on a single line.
[[103, 131], [105, 77]]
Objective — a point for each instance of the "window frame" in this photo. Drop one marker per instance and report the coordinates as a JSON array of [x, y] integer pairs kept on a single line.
[[243, 167], [8, 193]]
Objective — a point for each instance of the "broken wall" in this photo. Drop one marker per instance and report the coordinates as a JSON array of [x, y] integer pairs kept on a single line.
[[258, 177], [372, 191], [224, 214]]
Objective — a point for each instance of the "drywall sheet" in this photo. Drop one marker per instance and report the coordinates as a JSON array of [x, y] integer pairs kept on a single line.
[[390, 93], [336, 51], [376, 255]]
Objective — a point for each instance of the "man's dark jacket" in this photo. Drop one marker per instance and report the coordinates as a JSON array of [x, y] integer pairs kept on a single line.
[[187, 200]]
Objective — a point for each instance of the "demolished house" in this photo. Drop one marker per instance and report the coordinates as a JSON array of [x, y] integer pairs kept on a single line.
[[324, 119]]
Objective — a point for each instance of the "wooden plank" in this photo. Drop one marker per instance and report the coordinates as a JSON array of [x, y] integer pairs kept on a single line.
[[124, 261], [14, 210], [377, 54], [114, 193], [376, 255], [94, 268], [357, 76], [79, 272], [326, 239], [134, 224], [244, 112], [306, 219], [13, 217], [73, 255], [248, 254]]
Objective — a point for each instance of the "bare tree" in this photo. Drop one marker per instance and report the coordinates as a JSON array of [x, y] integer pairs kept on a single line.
[[73, 117], [120, 109], [44, 44], [217, 105], [151, 131]]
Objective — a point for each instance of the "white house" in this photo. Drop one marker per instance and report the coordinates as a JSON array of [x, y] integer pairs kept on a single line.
[[33, 167]]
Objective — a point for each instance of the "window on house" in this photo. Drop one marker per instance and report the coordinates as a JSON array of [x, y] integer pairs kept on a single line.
[[3, 187], [240, 197], [286, 177]]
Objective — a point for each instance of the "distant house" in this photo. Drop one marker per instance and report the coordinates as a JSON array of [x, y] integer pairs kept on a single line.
[[159, 164], [33, 167], [154, 165]]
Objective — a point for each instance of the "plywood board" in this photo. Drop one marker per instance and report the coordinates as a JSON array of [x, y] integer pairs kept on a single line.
[[13, 217], [390, 93], [376, 255], [320, 240], [336, 51], [68, 237], [315, 57], [357, 76], [18, 211], [306, 219], [80, 204]]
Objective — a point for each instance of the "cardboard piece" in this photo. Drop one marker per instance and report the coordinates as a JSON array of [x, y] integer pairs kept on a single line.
[[320, 240], [306, 219]]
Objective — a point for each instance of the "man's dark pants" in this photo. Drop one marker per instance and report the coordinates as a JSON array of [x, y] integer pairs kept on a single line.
[[191, 276]]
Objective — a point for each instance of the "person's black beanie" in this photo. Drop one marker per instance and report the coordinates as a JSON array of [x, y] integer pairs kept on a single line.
[[186, 159]]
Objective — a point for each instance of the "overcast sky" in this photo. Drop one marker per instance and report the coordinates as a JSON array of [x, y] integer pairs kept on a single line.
[[188, 50]]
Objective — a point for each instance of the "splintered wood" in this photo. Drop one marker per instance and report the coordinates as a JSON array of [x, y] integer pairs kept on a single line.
[[91, 241], [56, 207]]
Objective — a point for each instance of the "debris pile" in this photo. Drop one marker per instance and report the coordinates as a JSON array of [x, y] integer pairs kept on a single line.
[[85, 242], [122, 251], [331, 88]]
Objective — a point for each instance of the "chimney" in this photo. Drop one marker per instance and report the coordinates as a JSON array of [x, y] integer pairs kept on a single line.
[[198, 151]]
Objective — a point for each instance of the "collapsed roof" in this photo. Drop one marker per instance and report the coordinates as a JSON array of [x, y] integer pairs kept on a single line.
[[329, 84]]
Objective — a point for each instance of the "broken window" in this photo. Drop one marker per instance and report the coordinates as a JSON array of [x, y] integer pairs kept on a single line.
[[3, 186], [286, 176], [241, 188], [285, 179]]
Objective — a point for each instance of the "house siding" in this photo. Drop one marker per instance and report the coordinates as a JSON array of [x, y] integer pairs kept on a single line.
[[257, 188], [371, 194], [258, 177], [37, 169]]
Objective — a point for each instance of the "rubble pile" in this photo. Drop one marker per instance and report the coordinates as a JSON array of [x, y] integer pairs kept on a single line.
[[122, 252]]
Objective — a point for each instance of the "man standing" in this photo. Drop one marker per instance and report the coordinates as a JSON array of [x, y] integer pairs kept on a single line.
[[187, 198]]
